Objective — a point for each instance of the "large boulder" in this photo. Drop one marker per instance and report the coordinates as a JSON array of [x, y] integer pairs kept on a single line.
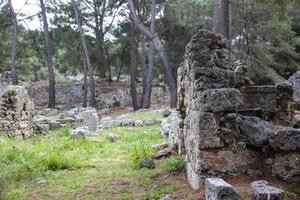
[[218, 189], [285, 140], [255, 131]]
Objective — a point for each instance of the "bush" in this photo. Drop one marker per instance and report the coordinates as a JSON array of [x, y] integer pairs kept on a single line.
[[140, 152], [174, 164], [57, 160]]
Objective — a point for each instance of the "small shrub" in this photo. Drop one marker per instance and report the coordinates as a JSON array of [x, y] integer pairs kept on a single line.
[[174, 164], [65, 132], [140, 152], [57, 160]]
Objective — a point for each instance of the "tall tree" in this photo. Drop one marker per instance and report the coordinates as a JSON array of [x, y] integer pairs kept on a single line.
[[215, 19], [133, 66], [149, 74], [86, 56], [225, 19], [48, 46], [13, 43], [153, 37]]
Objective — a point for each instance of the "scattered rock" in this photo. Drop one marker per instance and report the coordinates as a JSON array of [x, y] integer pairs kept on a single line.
[[79, 133], [166, 197], [148, 163], [160, 146], [124, 116], [112, 138], [163, 153], [263, 191], [166, 113], [54, 125], [128, 122], [218, 189], [110, 124], [40, 119], [42, 181], [138, 123]]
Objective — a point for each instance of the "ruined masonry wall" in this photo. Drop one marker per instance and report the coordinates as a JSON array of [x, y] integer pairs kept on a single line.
[[207, 103], [16, 113]]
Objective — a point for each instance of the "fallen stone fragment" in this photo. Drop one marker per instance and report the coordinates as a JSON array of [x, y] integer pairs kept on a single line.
[[218, 189], [166, 197], [112, 138], [128, 122], [163, 153], [139, 123], [148, 163], [79, 133], [53, 125], [166, 113], [263, 191]]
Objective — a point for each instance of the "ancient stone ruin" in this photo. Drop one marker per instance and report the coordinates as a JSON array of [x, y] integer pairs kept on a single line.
[[16, 112], [221, 126]]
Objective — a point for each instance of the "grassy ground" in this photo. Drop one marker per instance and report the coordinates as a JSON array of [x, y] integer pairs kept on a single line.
[[56, 167]]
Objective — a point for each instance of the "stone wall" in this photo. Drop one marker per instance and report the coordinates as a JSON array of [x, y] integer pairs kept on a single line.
[[207, 104], [5, 81], [295, 81], [275, 101], [70, 94], [217, 141], [16, 113]]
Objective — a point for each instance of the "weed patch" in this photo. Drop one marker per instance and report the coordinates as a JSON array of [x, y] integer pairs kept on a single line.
[[174, 164]]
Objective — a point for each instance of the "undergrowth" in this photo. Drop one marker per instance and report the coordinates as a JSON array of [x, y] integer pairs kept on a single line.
[[174, 164]]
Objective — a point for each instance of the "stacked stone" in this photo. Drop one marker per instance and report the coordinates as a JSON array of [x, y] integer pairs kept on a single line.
[[207, 102], [16, 112], [5, 81]]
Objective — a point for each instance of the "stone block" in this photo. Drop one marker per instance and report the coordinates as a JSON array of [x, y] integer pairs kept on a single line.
[[263, 191], [285, 140], [219, 100], [218, 189]]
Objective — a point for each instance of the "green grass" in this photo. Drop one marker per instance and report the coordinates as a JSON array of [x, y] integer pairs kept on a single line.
[[56, 167], [174, 164]]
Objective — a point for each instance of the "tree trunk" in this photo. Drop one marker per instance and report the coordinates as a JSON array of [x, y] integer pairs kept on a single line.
[[225, 19], [48, 45], [144, 69], [133, 67], [85, 80], [13, 43], [108, 65], [99, 36], [160, 50], [35, 75], [86, 57], [215, 20], [121, 62], [149, 75]]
